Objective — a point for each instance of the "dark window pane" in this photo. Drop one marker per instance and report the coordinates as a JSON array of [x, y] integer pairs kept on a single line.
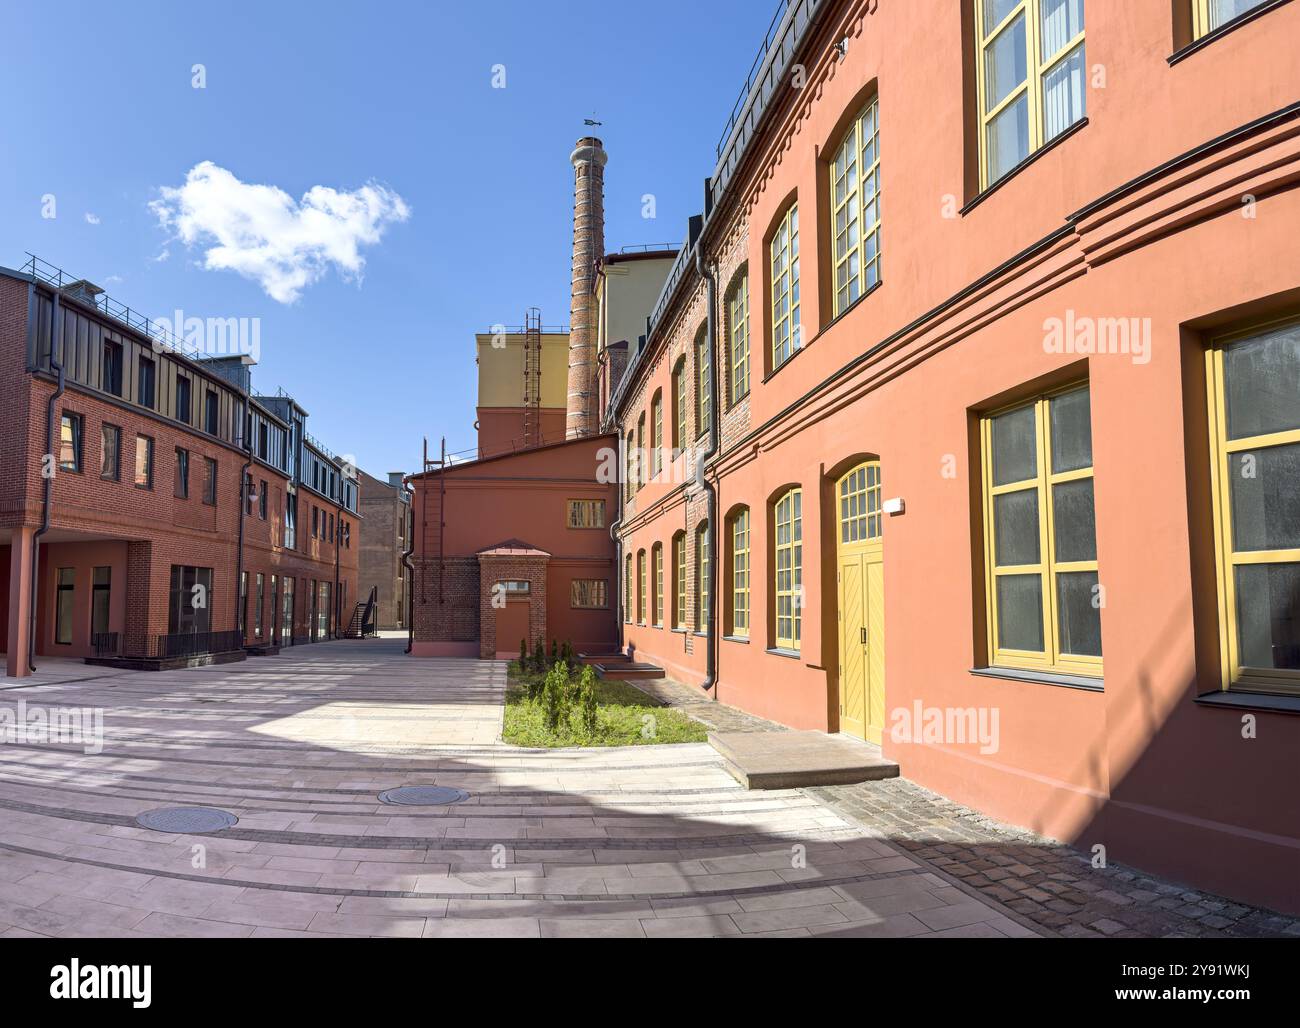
[[1015, 446], [1071, 431], [1020, 612], [1079, 616], [1262, 384], [1265, 486], [1268, 615], [1015, 520], [1074, 521]]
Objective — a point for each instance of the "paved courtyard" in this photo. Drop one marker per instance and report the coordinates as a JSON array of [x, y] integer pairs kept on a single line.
[[644, 841]]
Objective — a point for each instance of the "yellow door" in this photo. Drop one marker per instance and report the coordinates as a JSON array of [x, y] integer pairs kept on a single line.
[[853, 648], [860, 550]]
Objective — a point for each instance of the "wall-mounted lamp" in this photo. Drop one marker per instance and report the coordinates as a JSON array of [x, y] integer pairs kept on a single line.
[[842, 47], [894, 506]]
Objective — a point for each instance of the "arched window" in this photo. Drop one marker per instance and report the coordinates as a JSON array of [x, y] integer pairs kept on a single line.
[[627, 589], [1030, 67], [738, 336], [679, 581], [642, 585], [680, 437], [786, 335], [629, 484], [703, 390], [657, 584], [855, 209], [788, 567], [740, 573], [657, 433], [640, 452], [702, 596]]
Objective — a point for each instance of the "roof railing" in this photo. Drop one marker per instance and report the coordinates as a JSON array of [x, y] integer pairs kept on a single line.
[[768, 39]]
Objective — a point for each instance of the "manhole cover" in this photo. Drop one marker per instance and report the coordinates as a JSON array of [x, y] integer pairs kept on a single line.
[[423, 796], [186, 820]]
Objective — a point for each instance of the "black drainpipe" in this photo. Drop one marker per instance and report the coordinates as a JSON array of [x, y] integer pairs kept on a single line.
[[338, 553], [246, 445], [56, 365], [409, 515], [701, 477]]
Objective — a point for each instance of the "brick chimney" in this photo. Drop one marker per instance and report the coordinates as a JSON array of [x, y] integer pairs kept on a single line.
[[588, 247]]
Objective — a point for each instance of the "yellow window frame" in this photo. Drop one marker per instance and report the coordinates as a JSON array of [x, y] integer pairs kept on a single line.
[[643, 586], [679, 404], [861, 514], [586, 514], [703, 392], [784, 247], [856, 161], [640, 452], [1047, 568], [702, 596], [1203, 20], [657, 568], [740, 574], [1234, 675], [787, 569], [627, 590], [656, 434], [679, 582], [1036, 69], [738, 322]]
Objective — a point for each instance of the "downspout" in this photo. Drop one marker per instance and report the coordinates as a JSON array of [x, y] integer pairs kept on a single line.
[[701, 476], [56, 365], [409, 515], [338, 553], [245, 444], [614, 526]]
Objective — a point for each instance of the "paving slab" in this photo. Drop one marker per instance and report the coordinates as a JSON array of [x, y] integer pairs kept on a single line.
[[793, 760]]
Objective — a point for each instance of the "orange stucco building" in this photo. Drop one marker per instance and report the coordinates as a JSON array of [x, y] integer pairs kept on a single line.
[[967, 418]]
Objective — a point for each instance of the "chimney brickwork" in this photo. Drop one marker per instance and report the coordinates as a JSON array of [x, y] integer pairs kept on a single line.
[[588, 160]]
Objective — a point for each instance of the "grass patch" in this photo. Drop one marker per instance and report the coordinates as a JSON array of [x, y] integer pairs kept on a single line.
[[625, 716]]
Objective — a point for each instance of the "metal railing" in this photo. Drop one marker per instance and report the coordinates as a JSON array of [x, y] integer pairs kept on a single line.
[[43, 271], [106, 644], [193, 644]]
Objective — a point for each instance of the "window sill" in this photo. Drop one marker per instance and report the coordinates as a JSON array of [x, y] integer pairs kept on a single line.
[[1013, 674], [736, 639], [1197, 45], [786, 363], [777, 651], [700, 635], [1275, 703], [679, 631], [851, 307], [993, 187]]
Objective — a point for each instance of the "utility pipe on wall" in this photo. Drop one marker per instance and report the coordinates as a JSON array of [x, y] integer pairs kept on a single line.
[[56, 365]]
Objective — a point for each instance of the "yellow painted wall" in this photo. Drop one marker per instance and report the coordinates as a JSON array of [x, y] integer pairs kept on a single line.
[[501, 370], [628, 291]]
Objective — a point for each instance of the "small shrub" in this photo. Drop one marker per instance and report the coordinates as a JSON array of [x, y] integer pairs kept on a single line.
[[523, 654], [539, 657], [555, 652], [555, 697], [586, 701]]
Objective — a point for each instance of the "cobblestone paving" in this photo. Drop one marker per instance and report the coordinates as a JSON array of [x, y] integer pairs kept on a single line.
[[637, 841], [1051, 885]]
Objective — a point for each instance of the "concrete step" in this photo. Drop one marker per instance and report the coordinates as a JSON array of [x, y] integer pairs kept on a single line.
[[603, 658], [793, 760], [629, 671]]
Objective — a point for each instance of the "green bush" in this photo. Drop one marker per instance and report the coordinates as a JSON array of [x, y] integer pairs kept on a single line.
[[556, 697], [539, 657], [586, 701], [523, 654]]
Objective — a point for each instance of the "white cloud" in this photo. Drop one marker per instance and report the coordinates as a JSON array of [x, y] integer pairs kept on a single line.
[[92, 219], [262, 233]]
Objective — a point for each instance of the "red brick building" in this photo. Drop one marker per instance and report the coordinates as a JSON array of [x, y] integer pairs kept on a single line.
[[128, 533]]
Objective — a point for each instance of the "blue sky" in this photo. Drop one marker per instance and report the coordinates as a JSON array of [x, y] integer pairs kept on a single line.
[[102, 115]]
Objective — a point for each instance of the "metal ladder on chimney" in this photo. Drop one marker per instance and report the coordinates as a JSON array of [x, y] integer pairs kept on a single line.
[[532, 378]]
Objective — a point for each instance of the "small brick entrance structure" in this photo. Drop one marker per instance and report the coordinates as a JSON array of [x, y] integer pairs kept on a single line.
[[511, 561]]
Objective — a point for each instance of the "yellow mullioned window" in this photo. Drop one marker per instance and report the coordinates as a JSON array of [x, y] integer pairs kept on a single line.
[[740, 574], [657, 570], [703, 390], [680, 437], [640, 452], [679, 581], [1254, 392], [788, 585], [1040, 536], [861, 518], [1209, 15], [738, 325], [657, 434], [1031, 78], [786, 334], [643, 584], [702, 577], [629, 486], [627, 589], [855, 209], [586, 514]]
